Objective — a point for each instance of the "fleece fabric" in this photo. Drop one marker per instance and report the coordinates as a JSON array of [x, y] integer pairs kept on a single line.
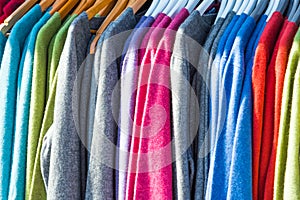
[[3, 41], [157, 94], [274, 87], [261, 61], [17, 187], [230, 18], [37, 187], [8, 84], [129, 76], [233, 144], [246, 99], [68, 162], [38, 95], [100, 182], [2, 5], [191, 34], [292, 176], [224, 48], [9, 8], [284, 128], [147, 51], [214, 82], [280, 68]]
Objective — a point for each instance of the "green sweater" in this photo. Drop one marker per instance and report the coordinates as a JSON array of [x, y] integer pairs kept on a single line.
[[37, 187], [284, 130], [292, 175], [38, 100]]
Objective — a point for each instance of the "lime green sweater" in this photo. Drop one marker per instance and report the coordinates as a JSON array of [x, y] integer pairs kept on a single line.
[[292, 175], [284, 131], [37, 187], [38, 100]]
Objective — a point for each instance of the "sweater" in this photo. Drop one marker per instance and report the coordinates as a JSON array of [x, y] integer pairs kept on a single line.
[[185, 57], [100, 183], [9, 8], [68, 161], [17, 187], [129, 76], [261, 61], [38, 95], [147, 50], [281, 64], [157, 175], [8, 85], [37, 186], [292, 176], [3, 41]]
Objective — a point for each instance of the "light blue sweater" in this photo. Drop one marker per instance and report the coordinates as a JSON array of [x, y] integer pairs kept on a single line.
[[8, 87], [18, 168]]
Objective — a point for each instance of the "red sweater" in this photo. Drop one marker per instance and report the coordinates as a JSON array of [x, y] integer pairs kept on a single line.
[[2, 5], [268, 118], [261, 61], [278, 81], [10, 8]]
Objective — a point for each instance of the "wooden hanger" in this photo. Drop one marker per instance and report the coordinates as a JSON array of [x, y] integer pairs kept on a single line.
[[259, 9], [58, 5], [136, 5], [82, 6], [45, 4], [10, 21], [97, 7], [66, 9], [107, 9], [117, 10]]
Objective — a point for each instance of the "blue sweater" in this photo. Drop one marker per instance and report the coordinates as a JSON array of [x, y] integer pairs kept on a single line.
[[18, 168], [238, 134], [220, 161], [214, 85], [3, 41], [8, 87]]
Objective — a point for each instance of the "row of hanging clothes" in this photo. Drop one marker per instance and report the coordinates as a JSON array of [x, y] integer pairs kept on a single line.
[[137, 99]]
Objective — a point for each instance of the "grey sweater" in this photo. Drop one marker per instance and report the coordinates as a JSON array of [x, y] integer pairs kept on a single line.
[[101, 173], [67, 171], [191, 35]]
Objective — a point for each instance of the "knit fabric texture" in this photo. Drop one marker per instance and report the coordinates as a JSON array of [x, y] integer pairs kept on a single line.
[[147, 52], [9, 8], [280, 68], [261, 61], [38, 99], [68, 159], [8, 84], [59, 41], [129, 76], [188, 172], [291, 177], [100, 183]]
